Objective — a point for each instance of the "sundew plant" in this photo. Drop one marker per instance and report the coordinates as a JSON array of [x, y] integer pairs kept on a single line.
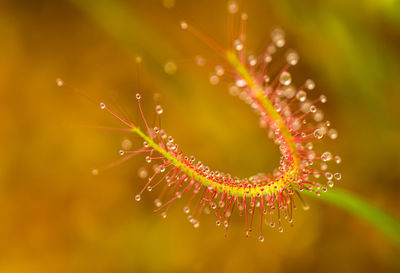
[[293, 118]]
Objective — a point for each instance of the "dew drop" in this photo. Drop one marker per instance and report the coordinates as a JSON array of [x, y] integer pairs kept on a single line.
[[137, 197], [157, 203], [240, 83], [261, 238], [278, 37], [218, 223], [337, 176], [214, 79], [318, 133], [329, 175], [184, 25], [170, 67], [126, 144], [121, 152], [159, 110], [338, 159], [186, 209], [309, 84], [219, 70], [301, 95], [142, 173], [102, 105], [95, 171], [313, 109], [326, 156], [148, 159], [233, 7], [332, 133], [59, 82], [292, 57], [238, 45], [285, 78], [164, 215], [138, 96], [323, 98]]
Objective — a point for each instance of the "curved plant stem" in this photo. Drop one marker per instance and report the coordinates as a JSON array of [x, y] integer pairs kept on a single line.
[[111, 16], [364, 210]]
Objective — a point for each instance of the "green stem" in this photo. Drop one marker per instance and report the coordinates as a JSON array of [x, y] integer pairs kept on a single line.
[[364, 210]]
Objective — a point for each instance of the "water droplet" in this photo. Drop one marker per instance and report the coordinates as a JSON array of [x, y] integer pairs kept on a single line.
[[148, 159], [326, 156], [102, 105], [159, 109], [137, 197], [338, 159], [157, 203], [138, 96], [323, 98], [170, 67], [309, 84], [318, 133], [214, 79], [142, 172], [59, 82], [292, 57], [156, 130], [95, 171], [337, 176], [186, 209], [233, 7], [238, 45], [333, 134], [126, 144], [285, 78], [121, 152], [261, 238], [240, 83], [329, 175], [164, 214], [219, 70], [278, 37], [218, 222], [301, 95], [184, 25], [313, 109]]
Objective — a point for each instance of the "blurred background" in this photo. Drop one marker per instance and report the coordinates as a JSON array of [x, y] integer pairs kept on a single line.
[[57, 217]]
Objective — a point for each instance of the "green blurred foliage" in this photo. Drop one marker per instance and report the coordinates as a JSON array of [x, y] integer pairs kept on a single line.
[[59, 218]]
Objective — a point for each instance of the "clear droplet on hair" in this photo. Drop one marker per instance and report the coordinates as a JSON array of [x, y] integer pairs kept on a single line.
[[285, 78], [233, 7], [126, 144], [318, 133], [170, 67], [148, 159], [102, 105], [159, 109], [323, 98], [157, 203], [309, 84], [278, 37], [95, 171], [292, 57], [301, 95], [219, 70], [240, 83], [214, 79], [186, 209], [326, 156], [138, 96], [337, 176], [137, 197], [59, 82], [121, 152], [142, 173], [184, 25], [338, 159], [332, 133], [164, 215], [261, 238], [329, 175], [238, 45]]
